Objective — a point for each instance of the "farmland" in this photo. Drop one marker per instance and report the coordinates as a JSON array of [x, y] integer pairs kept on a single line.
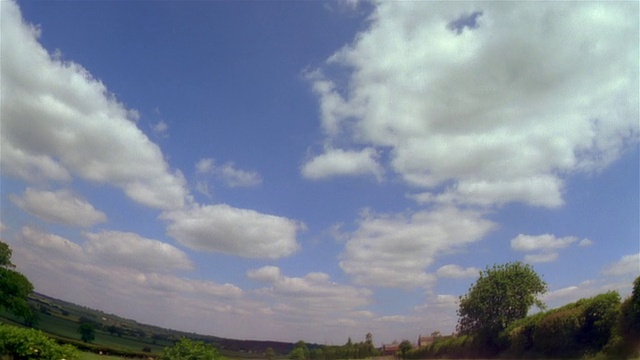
[[118, 336]]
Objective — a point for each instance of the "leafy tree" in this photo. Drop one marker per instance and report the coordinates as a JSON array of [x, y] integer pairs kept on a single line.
[[300, 351], [404, 347], [15, 288], [191, 350], [5, 255], [629, 321], [269, 354], [501, 295], [87, 332]]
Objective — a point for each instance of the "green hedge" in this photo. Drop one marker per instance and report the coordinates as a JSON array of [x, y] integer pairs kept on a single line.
[[20, 343]]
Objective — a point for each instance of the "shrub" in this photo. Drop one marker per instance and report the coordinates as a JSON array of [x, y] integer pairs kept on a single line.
[[22, 344], [192, 350]]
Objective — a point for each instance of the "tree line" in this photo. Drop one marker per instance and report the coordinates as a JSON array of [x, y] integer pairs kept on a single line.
[[493, 322], [349, 350]]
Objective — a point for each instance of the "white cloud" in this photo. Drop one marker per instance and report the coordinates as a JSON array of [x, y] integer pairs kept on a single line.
[[144, 295], [338, 162], [204, 166], [60, 206], [495, 113], [628, 264], [242, 232], [544, 242], [395, 250], [239, 178], [266, 274], [455, 271], [541, 257], [585, 242], [132, 250], [312, 299], [545, 245], [58, 122], [52, 244], [228, 172], [161, 128]]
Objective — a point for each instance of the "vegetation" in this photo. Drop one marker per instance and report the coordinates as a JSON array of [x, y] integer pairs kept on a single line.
[[187, 349], [21, 343], [14, 287], [349, 350], [87, 332], [600, 327], [492, 317], [404, 348], [502, 295]]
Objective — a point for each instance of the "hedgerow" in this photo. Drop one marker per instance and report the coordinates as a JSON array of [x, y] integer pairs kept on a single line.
[[22, 344]]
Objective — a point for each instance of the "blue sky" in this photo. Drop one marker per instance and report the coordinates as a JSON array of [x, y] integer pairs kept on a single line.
[[317, 170]]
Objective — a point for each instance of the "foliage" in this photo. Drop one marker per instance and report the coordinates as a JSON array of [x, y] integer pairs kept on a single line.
[[501, 295], [21, 343], [625, 341], [269, 354], [5, 255], [300, 351], [87, 332], [187, 349], [14, 287], [578, 329], [446, 347], [350, 350], [404, 347]]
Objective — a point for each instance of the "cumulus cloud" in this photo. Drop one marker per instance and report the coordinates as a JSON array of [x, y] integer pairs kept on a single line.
[[61, 206], [484, 103], [242, 232], [229, 173], [313, 298], [395, 250], [59, 122], [544, 242], [145, 294], [546, 246], [161, 128], [204, 166], [239, 178], [132, 250], [628, 264], [336, 162], [457, 272], [52, 244], [266, 274]]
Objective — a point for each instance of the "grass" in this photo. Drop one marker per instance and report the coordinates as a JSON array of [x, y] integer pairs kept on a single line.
[[92, 356]]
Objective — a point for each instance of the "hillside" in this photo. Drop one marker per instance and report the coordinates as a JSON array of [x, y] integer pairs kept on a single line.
[[116, 334]]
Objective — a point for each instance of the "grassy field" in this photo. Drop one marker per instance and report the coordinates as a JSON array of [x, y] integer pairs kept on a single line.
[[92, 356]]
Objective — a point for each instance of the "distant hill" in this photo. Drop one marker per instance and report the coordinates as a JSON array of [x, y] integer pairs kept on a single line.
[[61, 318]]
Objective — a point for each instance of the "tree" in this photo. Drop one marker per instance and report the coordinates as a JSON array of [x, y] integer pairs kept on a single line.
[[300, 351], [629, 320], [15, 288], [87, 332], [501, 295], [191, 350], [5, 255], [404, 347], [270, 354]]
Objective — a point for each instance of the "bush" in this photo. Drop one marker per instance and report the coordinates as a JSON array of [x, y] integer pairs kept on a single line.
[[24, 344], [556, 333], [192, 350]]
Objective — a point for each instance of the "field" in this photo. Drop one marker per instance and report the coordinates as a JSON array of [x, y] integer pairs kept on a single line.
[[116, 336]]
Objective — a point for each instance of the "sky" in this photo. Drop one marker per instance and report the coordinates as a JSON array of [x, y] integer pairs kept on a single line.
[[289, 170]]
